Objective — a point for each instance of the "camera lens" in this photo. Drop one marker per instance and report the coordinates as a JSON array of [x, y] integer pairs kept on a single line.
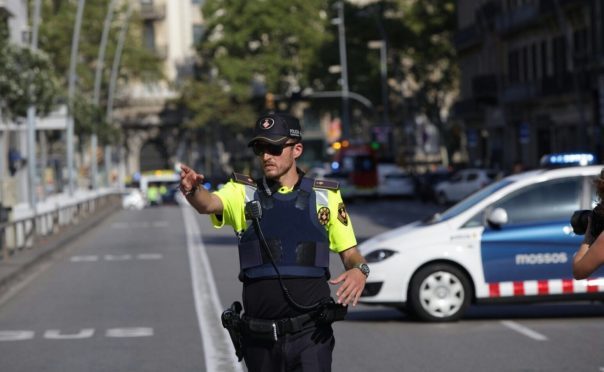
[[579, 221]]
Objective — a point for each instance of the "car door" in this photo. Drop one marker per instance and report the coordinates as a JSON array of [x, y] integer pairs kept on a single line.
[[537, 243]]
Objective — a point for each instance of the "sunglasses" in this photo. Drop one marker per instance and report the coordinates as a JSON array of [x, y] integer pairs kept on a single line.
[[261, 148]]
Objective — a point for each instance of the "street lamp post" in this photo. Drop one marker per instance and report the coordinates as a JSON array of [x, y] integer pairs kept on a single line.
[[381, 45], [70, 92], [343, 69], [97, 93], [31, 118], [113, 82]]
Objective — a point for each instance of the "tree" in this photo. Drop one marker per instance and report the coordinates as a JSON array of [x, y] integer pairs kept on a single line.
[[56, 30], [428, 59], [20, 68], [270, 45]]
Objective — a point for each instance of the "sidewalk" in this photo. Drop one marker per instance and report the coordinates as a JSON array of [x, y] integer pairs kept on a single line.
[[26, 260]]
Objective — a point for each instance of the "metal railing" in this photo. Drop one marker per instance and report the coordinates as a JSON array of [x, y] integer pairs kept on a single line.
[[23, 233]]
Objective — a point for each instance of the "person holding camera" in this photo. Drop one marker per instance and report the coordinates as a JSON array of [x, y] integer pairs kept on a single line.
[[590, 255], [286, 225]]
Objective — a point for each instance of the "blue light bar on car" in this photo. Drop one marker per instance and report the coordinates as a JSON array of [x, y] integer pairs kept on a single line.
[[568, 159]]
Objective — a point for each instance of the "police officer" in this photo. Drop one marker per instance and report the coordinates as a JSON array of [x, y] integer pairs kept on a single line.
[[284, 255]]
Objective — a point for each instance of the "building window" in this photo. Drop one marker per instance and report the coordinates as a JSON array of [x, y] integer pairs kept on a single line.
[[149, 35], [525, 64], [544, 59], [196, 2], [198, 31], [559, 55], [534, 61], [514, 66]]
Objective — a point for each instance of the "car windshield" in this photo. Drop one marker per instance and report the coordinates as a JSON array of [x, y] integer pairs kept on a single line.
[[469, 202]]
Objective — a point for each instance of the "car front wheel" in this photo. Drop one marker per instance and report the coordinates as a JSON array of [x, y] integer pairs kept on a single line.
[[439, 293]]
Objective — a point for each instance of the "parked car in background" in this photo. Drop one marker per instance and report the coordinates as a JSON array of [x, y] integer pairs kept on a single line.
[[463, 183], [133, 199], [396, 183]]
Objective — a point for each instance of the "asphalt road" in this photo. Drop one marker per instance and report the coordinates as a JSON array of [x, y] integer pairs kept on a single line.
[[144, 289]]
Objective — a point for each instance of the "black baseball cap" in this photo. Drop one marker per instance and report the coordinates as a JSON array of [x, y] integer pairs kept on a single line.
[[276, 129]]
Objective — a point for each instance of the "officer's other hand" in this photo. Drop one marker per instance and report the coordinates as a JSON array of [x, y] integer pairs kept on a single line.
[[353, 282], [189, 179], [588, 238]]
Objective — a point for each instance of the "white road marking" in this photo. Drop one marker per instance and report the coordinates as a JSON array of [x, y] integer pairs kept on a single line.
[[123, 257], [218, 351], [140, 225], [150, 256], [160, 224], [16, 335], [129, 332], [84, 258], [54, 334], [523, 330]]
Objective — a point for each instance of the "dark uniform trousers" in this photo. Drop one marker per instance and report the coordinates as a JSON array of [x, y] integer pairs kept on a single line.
[[309, 350]]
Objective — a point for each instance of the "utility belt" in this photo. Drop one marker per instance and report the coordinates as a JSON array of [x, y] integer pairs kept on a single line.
[[271, 330]]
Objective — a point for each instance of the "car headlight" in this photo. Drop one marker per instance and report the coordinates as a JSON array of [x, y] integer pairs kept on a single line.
[[379, 255]]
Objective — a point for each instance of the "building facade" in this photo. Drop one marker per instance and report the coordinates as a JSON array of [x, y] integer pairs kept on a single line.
[[170, 30], [531, 79]]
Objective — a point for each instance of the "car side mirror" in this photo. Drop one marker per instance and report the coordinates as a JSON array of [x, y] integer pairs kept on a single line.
[[497, 217]]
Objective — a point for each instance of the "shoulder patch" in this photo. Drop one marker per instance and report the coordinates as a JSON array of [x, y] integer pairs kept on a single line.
[[244, 179], [325, 184]]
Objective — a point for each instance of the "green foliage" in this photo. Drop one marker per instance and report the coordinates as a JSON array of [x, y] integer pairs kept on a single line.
[[56, 32], [207, 104], [137, 62], [432, 24], [275, 41], [90, 118], [26, 78]]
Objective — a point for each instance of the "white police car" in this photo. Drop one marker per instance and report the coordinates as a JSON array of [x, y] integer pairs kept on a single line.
[[511, 241]]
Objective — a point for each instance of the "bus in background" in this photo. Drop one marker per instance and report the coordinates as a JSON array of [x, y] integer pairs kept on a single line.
[[165, 182], [354, 166]]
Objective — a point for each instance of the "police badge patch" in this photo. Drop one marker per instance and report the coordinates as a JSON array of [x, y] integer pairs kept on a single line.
[[323, 215], [342, 215]]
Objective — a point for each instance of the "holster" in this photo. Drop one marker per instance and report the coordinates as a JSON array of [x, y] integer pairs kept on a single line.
[[332, 312], [271, 330], [231, 320]]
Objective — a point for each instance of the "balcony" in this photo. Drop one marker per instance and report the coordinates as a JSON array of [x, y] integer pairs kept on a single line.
[[548, 7], [517, 19], [467, 38], [152, 12], [485, 88], [487, 14], [520, 92], [558, 85], [565, 84], [468, 109]]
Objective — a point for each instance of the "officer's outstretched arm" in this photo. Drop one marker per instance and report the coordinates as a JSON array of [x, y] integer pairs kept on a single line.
[[200, 198]]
